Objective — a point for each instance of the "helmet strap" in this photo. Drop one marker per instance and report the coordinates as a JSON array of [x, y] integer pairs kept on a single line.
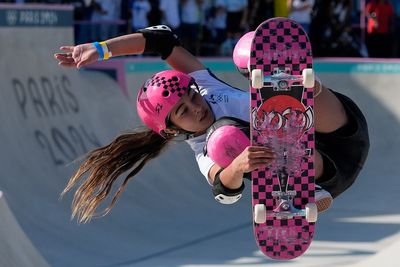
[[177, 134]]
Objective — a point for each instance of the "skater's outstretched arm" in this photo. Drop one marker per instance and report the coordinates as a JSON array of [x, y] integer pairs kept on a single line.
[[132, 44]]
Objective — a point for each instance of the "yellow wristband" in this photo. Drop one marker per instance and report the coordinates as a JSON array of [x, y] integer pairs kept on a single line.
[[106, 52]]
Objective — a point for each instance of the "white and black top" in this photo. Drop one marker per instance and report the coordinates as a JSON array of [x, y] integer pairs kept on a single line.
[[225, 101]]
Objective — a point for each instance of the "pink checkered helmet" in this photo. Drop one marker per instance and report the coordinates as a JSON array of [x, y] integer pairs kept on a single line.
[[159, 95], [241, 53], [226, 139]]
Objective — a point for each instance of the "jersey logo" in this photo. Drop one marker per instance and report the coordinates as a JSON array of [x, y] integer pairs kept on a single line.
[[214, 99]]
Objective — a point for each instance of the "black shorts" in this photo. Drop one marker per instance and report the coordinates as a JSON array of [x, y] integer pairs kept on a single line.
[[344, 151]]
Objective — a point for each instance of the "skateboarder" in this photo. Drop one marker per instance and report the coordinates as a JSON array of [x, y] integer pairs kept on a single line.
[[182, 104]]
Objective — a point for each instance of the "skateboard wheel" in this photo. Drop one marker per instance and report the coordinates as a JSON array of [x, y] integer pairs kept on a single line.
[[260, 213], [308, 78], [257, 79], [311, 212]]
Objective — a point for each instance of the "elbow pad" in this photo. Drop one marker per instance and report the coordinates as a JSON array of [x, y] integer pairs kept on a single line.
[[160, 40], [223, 194]]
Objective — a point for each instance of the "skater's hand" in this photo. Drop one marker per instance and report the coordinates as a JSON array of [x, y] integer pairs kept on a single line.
[[253, 157], [77, 56]]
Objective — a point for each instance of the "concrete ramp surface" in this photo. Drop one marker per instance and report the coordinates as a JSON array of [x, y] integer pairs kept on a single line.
[[16, 248], [167, 216]]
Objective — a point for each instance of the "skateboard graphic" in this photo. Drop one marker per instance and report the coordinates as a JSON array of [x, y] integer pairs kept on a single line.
[[282, 118]]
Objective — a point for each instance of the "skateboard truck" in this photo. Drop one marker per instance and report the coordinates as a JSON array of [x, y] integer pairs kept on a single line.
[[285, 209], [282, 80]]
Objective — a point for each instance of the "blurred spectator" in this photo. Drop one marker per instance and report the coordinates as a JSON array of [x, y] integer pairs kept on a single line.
[[98, 11], [320, 24], [155, 14], [218, 25], [125, 16], [331, 32], [170, 13], [21, 1], [380, 14], [350, 37], [344, 41], [236, 22], [81, 13], [396, 41], [190, 25], [212, 27], [207, 31], [300, 11], [139, 10], [281, 8], [259, 11], [105, 17], [79, 8]]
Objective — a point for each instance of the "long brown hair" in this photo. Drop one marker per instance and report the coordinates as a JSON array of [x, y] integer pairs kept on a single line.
[[103, 166]]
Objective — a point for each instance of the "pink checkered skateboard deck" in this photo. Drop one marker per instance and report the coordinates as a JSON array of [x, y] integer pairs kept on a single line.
[[282, 118]]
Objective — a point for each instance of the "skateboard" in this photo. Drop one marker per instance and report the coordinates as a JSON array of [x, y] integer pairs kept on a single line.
[[282, 118]]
